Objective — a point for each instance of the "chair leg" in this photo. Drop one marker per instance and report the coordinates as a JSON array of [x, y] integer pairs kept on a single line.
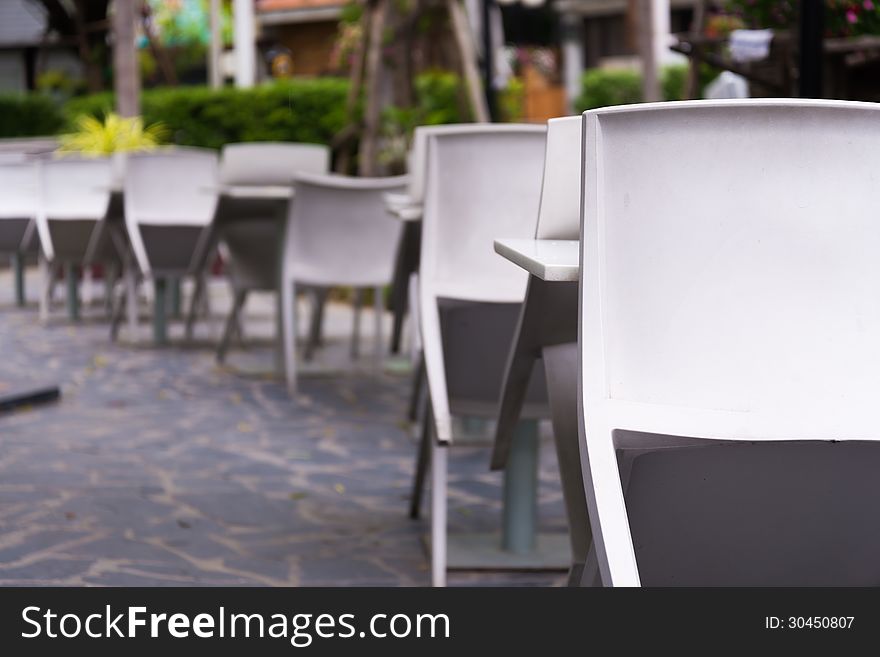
[[18, 267], [47, 283], [378, 311], [423, 457], [357, 302], [439, 467], [316, 325], [110, 276], [231, 323], [288, 325], [416, 396], [116, 311], [131, 301], [194, 305]]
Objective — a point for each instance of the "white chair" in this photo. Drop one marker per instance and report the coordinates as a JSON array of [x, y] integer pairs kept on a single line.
[[74, 198], [19, 204], [479, 186], [170, 197], [250, 228], [730, 313], [547, 331], [338, 233]]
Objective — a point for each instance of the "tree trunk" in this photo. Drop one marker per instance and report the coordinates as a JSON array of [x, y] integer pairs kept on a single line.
[[369, 151], [126, 76], [468, 54]]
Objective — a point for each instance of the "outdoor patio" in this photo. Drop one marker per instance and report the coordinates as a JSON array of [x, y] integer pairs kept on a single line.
[[158, 467]]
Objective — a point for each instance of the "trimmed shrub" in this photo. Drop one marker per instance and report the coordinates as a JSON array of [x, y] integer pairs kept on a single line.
[[604, 87], [29, 115], [311, 111]]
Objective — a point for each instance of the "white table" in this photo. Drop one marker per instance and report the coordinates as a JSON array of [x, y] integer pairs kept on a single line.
[[548, 330]]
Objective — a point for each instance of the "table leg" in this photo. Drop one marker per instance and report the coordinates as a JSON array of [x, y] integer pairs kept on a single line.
[[70, 277], [160, 323], [18, 268], [175, 298], [520, 512]]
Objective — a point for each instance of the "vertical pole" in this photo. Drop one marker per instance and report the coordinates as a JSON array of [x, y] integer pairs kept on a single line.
[[572, 56], [126, 77], [160, 324], [811, 28], [648, 51], [245, 44], [488, 60], [215, 49], [520, 513], [18, 269], [71, 278]]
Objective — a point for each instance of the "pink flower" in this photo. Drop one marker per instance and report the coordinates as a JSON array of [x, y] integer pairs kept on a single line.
[[851, 16], [867, 4]]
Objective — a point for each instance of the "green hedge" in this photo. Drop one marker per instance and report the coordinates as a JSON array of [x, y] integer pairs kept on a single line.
[[297, 110], [604, 87], [31, 115]]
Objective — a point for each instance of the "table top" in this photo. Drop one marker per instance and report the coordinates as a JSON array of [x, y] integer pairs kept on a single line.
[[281, 193], [549, 260]]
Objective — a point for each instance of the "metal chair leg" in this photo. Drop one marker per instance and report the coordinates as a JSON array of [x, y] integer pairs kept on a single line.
[[231, 323], [423, 458]]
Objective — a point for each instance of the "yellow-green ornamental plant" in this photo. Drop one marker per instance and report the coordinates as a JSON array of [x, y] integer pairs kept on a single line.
[[114, 134]]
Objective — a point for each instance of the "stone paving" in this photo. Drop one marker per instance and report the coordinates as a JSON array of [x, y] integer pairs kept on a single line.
[[160, 468]]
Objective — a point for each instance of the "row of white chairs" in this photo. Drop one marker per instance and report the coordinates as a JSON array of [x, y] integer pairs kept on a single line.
[[727, 323], [176, 205]]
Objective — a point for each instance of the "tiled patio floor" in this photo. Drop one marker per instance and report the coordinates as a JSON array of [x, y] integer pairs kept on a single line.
[[159, 468]]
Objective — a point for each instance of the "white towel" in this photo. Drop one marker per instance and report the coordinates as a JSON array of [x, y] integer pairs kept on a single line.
[[750, 45]]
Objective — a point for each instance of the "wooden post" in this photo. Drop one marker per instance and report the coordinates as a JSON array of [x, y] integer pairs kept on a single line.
[[126, 76], [215, 48], [369, 151], [468, 54]]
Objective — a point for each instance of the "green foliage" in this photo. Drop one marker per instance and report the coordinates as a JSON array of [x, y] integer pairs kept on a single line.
[[437, 102], [512, 100], [295, 110], [29, 115], [112, 135], [605, 87]]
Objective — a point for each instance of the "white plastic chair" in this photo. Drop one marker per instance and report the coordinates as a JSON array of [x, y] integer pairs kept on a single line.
[[547, 332], [250, 228], [19, 203], [74, 197], [731, 309], [338, 234], [479, 186], [170, 198]]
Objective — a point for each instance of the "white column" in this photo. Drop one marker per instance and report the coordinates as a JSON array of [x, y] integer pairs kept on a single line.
[[660, 32], [215, 75], [245, 43]]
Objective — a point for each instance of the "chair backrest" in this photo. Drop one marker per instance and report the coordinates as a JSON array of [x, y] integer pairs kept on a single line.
[[19, 191], [559, 212], [480, 186], [12, 157], [339, 232], [176, 187], [170, 189], [730, 291], [271, 163], [75, 187], [417, 158]]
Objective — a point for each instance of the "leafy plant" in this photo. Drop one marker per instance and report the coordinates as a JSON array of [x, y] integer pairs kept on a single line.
[[604, 87], [842, 17], [112, 135]]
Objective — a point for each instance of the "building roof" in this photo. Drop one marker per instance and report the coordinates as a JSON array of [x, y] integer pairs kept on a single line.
[[22, 23], [278, 12]]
